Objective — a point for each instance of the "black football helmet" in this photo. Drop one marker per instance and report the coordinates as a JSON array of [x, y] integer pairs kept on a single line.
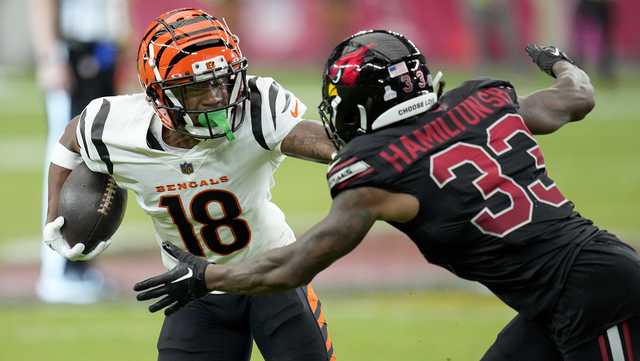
[[373, 79]]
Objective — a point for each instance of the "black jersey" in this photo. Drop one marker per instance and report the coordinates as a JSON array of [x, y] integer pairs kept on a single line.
[[488, 210]]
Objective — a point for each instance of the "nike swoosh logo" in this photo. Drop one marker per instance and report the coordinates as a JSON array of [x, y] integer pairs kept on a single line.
[[295, 112], [186, 276]]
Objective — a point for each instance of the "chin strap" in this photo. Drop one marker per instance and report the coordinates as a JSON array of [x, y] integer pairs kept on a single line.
[[438, 84]]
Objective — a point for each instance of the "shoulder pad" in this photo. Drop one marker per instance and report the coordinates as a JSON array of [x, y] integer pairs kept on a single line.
[[274, 111], [358, 165], [482, 83], [110, 123], [469, 87]]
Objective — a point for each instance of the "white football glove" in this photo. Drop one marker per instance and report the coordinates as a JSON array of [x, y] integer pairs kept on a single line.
[[52, 237]]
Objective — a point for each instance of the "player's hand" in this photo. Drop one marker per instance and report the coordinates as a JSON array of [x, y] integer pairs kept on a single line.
[[52, 237], [546, 56], [184, 283]]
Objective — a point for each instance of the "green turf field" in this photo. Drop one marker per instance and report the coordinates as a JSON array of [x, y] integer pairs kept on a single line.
[[402, 326], [594, 162]]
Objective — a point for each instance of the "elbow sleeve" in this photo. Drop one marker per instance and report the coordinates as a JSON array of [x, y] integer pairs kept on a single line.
[[65, 158]]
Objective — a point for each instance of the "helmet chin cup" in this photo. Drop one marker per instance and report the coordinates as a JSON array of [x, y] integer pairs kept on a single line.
[[438, 84], [217, 119]]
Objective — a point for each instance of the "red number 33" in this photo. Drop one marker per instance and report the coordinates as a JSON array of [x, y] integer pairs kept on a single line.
[[493, 181]]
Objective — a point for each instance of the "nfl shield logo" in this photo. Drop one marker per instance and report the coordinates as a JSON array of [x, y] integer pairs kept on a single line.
[[186, 168]]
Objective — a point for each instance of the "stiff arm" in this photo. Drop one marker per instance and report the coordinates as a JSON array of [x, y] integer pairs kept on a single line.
[[352, 214], [308, 140]]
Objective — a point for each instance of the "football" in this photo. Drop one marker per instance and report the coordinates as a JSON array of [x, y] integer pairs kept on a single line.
[[92, 206]]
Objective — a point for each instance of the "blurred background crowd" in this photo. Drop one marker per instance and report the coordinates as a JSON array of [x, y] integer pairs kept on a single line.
[[467, 33]]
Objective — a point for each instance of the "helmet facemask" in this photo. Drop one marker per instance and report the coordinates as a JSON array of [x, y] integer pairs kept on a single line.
[[340, 123], [209, 104]]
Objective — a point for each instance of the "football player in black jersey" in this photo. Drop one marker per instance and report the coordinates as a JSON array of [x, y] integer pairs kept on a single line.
[[462, 175]]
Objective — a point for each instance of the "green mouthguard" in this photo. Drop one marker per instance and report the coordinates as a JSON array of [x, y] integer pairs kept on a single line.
[[219, 120]]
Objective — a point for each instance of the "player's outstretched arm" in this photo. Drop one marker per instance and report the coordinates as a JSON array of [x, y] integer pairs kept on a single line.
[[348, 221], [287, 267], [308, 140], [351, 216], [569, 99]]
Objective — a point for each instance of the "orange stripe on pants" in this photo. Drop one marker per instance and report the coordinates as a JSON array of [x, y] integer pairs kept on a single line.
[[312, 298]]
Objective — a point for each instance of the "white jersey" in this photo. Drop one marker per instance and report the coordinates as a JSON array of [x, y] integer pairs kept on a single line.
[[214, 199]]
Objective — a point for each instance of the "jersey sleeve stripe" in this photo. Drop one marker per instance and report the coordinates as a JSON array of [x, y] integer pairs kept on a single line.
[[287, 102], [81, 128], [337, 166], [152, 142], [353, 179], [256, 113], [274, 89], [97, 130]]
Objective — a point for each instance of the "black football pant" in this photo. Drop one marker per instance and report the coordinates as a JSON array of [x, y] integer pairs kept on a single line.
[[596, 318], [286, 326]]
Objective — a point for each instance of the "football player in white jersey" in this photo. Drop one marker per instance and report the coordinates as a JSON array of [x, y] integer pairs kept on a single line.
[[198, 149]]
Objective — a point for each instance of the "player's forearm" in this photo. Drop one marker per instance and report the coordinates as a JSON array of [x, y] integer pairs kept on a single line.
[[58, 174], [286, 267], [569, 99], [576, 95], [274, 271], [56, 178], [298, 263], [308, 141]]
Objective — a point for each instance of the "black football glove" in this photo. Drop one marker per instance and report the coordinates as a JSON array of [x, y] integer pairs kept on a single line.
[[184, 283], [546, 56]]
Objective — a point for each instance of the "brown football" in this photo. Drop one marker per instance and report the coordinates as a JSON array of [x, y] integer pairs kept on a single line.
[[92, 206]]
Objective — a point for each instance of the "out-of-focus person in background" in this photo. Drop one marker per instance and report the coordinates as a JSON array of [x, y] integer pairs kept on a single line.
[[593, 36], [337, 15], [76, 44], [496, 32]]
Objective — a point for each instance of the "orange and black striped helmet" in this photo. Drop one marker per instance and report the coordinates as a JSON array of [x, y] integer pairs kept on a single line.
[[193, 72]]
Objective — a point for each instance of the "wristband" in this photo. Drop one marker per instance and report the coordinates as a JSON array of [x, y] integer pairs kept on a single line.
[[65, 158]]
